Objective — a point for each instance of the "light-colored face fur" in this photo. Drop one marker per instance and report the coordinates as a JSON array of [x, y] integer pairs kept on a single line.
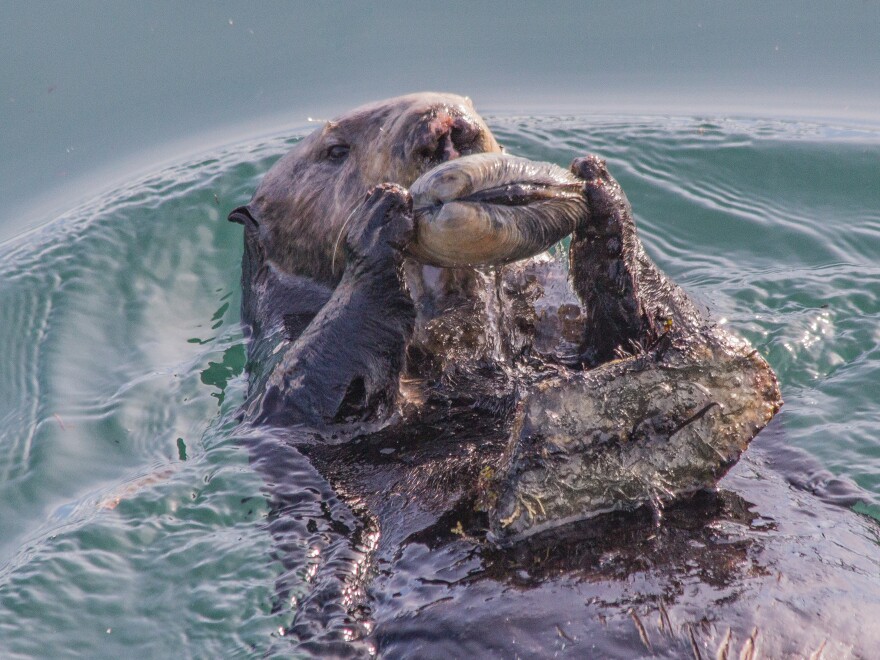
[[305, 201]]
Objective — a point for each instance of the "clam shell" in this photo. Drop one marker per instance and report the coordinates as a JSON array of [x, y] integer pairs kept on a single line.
[[492, 209]]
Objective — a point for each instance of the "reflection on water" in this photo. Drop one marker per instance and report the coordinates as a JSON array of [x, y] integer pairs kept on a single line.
[[131, 516]]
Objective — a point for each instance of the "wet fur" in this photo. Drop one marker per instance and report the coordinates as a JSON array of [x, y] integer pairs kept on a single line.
[[375, 344], [348, 336]]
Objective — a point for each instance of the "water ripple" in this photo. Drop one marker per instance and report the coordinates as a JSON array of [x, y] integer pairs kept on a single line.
[[120, 483]]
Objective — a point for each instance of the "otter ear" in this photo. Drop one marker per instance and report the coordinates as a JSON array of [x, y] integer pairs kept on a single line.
[[243, 216]]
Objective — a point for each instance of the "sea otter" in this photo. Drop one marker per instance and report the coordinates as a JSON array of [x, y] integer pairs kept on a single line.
[[610, 392], [412, 423]]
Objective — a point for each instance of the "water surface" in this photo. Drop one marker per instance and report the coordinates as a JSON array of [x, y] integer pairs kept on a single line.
[[130, 515], [93, 92]]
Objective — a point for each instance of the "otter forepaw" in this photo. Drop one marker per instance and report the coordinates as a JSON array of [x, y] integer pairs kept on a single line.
[[590, 168], [604, 195], [384, 226]]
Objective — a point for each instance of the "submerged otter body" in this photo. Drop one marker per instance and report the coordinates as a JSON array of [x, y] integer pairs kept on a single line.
[[507, 399]]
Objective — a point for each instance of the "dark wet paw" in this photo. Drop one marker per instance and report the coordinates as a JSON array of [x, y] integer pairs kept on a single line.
[[602, 191], [590, 168], [383, 224]]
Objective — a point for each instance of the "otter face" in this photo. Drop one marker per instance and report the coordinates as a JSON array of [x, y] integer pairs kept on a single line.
[[300, 210]]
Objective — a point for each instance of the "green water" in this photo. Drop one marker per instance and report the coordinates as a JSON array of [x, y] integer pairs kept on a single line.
[[130, 516]]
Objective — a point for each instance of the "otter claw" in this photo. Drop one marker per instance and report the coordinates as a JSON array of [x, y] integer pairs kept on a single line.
[[389, 192], [384, 221], [590, 168]]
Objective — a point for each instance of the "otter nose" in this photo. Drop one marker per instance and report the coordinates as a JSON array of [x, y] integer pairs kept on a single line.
[[446, 136]]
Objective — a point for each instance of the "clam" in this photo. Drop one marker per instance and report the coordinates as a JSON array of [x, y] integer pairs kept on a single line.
[[492, 208]]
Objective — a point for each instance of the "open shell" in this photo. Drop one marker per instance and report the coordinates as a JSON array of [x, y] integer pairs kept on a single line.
[[492, 209]]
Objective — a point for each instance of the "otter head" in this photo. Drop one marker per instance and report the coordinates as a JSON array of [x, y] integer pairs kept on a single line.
[[300, 212]]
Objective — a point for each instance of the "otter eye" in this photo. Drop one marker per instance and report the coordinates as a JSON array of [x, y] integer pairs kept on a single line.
[[338, 152]]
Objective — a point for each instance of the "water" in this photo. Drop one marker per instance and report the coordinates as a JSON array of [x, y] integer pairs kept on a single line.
[[130, 515], [94, 90]]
